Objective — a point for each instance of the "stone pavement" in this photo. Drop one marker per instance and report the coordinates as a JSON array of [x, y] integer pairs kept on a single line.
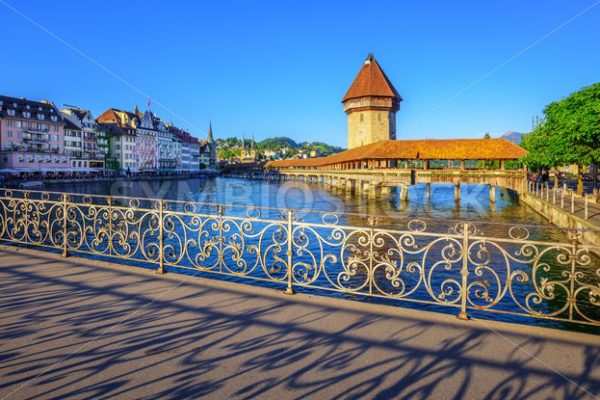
[[75, 328], [593, 213]]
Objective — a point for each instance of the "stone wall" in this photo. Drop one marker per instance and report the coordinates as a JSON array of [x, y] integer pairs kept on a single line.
[[562, 218]]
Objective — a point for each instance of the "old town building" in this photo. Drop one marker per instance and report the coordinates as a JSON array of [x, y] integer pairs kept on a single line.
[[208, 150], [147, 142], [31, 137], [93, 143], [121, 126], [36, 139]]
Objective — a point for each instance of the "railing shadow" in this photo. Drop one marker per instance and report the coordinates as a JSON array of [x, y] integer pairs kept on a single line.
[[70, 330]]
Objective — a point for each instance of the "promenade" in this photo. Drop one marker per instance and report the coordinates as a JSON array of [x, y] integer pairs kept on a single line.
[[75, 328]]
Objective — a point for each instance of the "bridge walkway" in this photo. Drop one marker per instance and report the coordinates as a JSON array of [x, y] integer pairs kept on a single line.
[[73, 328]]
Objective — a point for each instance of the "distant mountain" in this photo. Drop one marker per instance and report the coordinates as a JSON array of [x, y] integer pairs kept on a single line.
[[513, 136]]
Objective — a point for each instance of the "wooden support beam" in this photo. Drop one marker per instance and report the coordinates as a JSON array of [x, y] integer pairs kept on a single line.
[[456, 191], [404, 193]]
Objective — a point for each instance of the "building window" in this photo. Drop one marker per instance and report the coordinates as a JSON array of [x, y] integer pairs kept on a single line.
[[361, 117], [11, 112]]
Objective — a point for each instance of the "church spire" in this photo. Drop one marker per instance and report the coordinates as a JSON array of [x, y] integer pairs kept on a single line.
[[209, 137]]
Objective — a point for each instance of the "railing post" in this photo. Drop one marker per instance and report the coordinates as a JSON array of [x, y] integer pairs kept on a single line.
[[562, 198], [161, 239], [65, 252], [572, 202], [109, 202], [585, 211], [571, 297], [554, 196], [290, 253], [464, 272]]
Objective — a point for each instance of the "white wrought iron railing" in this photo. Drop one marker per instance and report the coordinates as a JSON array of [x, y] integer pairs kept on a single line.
[[518, 270]]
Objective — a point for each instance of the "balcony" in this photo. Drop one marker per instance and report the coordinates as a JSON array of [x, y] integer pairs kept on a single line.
[[36, 138], [36, 131]]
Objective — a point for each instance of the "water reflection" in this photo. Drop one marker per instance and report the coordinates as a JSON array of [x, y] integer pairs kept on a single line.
[[474, 203]]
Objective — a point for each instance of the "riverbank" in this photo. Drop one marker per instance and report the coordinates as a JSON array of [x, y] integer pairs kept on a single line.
[[16, 183], [589, 228]]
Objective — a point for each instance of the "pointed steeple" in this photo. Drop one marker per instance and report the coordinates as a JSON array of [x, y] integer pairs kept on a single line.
[[209, 137], [136, 110]]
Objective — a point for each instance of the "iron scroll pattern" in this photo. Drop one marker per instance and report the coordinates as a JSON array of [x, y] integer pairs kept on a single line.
[[517, 270]]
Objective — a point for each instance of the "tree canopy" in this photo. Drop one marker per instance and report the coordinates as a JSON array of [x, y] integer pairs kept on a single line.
[[569, 132]]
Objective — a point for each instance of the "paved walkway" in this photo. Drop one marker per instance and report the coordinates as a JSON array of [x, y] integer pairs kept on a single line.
[[593, 215], [78, 329]]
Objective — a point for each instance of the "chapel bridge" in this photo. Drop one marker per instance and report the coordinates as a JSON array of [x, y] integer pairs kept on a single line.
[[376, 168]]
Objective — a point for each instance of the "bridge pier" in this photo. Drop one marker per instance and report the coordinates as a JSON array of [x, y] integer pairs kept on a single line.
[[428, 191], [492, 193], [375, 190], [456, 191], [404, 193], [360, 189], [351, 185]]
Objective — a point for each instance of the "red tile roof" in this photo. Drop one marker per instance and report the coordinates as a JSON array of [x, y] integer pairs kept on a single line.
[[423, 149], [371, 81]]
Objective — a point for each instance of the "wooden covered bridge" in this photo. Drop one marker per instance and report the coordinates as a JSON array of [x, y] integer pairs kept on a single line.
[[375, 168]]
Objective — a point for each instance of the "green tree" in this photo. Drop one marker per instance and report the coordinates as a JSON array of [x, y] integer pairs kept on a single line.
[[226, 153], [569, 133]]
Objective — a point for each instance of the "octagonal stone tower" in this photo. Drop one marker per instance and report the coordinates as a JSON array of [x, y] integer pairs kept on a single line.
[[371, 104]]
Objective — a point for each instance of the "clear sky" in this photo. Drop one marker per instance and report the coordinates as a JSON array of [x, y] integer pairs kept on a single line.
[[281, 68]]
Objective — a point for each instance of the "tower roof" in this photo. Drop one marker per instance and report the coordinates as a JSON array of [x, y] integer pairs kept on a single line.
[[371, 81]]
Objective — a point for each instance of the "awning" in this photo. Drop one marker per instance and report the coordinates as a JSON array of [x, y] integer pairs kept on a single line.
[[9, 171]]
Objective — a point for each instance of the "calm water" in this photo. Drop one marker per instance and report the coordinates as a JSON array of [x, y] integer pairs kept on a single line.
[[473, 205], [494, 220]]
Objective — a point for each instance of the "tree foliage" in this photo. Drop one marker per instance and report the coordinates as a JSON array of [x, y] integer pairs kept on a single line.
[[568, 134], [543, 147], [277, 143]]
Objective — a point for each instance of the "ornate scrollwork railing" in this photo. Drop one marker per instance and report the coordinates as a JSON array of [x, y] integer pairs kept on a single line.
[[533, 271]]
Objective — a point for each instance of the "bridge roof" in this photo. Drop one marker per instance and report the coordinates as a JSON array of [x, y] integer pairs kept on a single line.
[[423, 149]]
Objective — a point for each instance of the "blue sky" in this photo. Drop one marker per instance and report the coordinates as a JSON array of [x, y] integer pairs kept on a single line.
[[281, 68]]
